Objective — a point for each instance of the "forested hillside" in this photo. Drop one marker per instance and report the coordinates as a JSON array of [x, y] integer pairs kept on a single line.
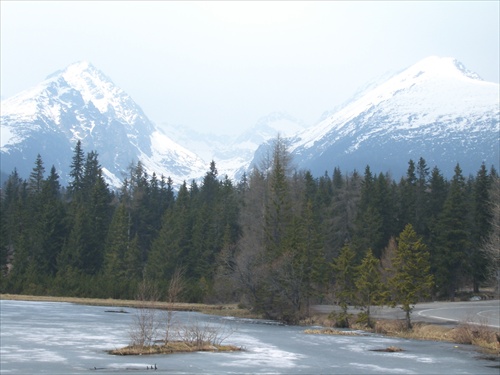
[[277, 241]]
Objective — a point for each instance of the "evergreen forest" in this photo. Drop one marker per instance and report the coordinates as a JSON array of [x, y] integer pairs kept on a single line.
[[277, 241]]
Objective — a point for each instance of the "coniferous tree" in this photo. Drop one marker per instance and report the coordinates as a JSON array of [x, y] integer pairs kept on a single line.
[[134, 265], [371, 290], [11, 220], [368, 230], [313, 255], [91, 172], [339, 232], [29, 261], [453, 239], [438, 187], [73, 252], [408, 188], [491, 246], [77, 170], [36, 177], [482, 227], [345, 213], [171, 247], [345, 274], [278, 206], [89, 218], [99, 217], [53, 223], [422, 198], [116, 247], [411, 281], [371, 215], [300, 270], [384, 205], [207, 236]]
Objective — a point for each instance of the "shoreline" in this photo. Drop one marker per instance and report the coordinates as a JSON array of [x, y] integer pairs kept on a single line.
[[220, 309]]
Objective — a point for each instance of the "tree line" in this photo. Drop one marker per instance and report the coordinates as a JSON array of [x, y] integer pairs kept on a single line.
[[277, 241]]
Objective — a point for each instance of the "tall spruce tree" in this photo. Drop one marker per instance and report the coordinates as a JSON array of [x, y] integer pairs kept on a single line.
[[411, 281], [339, 221], [345, 274], [422, 198], [370, 289], [77, 170], [36, 177], [53, 221], [408, 188], [115, 250], [11, 221], [278, 207], [373, 218], [453, 238], [482, 217]]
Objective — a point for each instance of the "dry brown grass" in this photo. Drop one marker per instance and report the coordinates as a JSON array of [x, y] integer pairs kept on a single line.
[[389, 327], [173, 347], [464, 333], [476, 334]]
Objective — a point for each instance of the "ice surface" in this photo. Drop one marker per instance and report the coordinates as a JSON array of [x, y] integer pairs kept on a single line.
[[63, 338]]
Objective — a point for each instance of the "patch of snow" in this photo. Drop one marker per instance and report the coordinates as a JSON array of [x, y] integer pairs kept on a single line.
[[110, 178], [6, 135]]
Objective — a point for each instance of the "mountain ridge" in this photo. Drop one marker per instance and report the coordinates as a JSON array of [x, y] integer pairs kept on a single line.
[[436, 109], [417, 112], [81, 103]]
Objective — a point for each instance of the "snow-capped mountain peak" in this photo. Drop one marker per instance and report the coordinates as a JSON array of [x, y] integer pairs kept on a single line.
[[95, 87], [436, 109], [435, 100], [81, 103]]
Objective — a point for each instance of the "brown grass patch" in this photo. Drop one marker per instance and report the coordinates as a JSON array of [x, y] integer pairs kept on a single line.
[[173, 347], [476, 334], [389, 327], [465, 333]]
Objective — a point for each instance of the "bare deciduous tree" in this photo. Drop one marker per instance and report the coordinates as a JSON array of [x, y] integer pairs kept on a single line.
[[146, 323], [201, 334], [175, 288]]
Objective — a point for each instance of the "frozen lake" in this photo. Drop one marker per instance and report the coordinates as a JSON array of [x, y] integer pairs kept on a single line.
[[63, 338]]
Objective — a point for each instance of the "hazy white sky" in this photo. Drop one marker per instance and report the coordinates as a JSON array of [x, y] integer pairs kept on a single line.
[[220, 66]]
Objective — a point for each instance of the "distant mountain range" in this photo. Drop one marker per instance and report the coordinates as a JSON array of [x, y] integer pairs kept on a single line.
[[436, 109]]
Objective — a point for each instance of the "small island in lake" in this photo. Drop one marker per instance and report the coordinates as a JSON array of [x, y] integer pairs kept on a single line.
[[174, 347]]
